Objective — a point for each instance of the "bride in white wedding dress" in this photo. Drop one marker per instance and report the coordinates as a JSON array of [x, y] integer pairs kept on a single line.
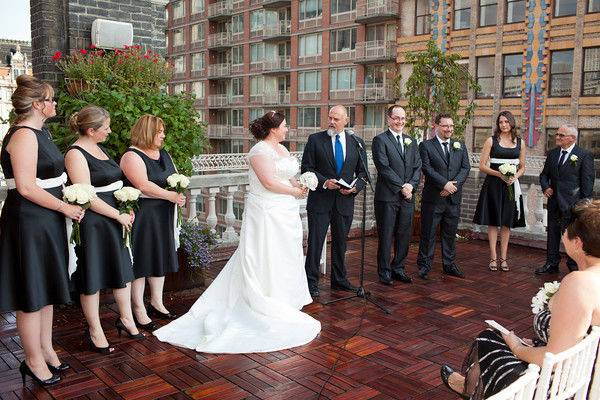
[[254, 303]]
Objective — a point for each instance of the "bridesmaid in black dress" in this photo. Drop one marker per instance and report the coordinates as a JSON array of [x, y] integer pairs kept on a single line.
[[147, 165], [495, 208], [33, 237], [103, 262]]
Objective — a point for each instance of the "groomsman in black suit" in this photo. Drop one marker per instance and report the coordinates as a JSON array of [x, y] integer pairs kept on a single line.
[[398, 172], [332, 155], [446, 168], [567, 177]]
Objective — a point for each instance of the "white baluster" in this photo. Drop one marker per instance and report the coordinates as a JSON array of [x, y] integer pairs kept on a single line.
[[211, 220], [192, 205], [230, 235], [525, 210], [539, 210]]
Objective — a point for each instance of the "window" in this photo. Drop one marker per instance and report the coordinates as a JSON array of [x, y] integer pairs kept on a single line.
[[310, 45], [309, 117], [590, 139], [197, 32], [487, 12], [381, 32], [179, 63], [198, 89], [464, 87], [237, 117], [375, 74], [237, 55], [237, 87], [178, 89], [178, 10], [485, 76], [257, 52], [257, 85], [177, 37], [310, 9], [591, 72], [309, 81], [515, 11], [512, 75], [462, 14], [343, 40], [480, 134], [237, 24], [423, 19], [257, 20], [197, 6], [561, 73], [593, 6], [563, 8], [197, 61], [351, 116], [256, 113], [237, 146], [342, 6], [374, 116], [342, 79]]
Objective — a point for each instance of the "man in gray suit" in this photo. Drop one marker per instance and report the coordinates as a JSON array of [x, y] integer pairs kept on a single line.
[[446, 168], [398, 172]]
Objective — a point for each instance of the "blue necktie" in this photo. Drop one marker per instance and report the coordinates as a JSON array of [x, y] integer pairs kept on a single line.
[[339, 155]]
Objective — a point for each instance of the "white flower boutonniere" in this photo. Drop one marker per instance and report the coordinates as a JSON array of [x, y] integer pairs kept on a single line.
[[456, 145], [573, 159], [541, 299], [407, 142]]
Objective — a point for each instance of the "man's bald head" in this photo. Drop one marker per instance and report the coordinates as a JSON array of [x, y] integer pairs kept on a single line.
[[338, 118]]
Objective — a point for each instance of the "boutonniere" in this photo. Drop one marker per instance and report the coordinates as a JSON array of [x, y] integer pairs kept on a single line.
[[456, 145], [407, 142], [573, 159]]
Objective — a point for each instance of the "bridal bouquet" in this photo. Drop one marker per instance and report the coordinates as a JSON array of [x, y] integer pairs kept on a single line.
[[80, 194], [539, 301], [178, 183], [309, 180], [508, 170], [127, 198]]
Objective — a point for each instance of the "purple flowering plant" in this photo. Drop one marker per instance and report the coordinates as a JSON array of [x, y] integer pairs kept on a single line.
[[197, 242]]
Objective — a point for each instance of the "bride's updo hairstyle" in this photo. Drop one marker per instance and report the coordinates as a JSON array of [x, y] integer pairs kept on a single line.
[[90, 116], [29, 89], [260, 127]]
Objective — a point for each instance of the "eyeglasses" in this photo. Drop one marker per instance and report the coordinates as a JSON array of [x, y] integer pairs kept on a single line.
[[397, 118], [446, 126], [560, 135], [52, 99]]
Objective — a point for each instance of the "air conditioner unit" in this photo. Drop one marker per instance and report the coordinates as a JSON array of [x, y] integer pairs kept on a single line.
[[111, 34]]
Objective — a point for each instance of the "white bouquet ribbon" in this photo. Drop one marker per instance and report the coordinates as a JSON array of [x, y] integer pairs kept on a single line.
[[517, 185]]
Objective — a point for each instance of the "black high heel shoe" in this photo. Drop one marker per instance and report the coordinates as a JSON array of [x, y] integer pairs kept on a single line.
[[150, 326], [158, 314], [93, 347], [445, 372], [61, 368], [25, 370], [121, 327]]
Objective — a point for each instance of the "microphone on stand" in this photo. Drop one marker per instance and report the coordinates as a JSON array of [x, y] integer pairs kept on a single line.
[[350, 132]]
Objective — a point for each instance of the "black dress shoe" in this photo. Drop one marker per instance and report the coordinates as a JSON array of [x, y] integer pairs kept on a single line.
[[423, 274], [386, 281], [314, 292], [150, 326], [61, 368], [547, 269], [153, 312], [453, 270], [25, 370], [445, 372], [345, 286], [401, 276]]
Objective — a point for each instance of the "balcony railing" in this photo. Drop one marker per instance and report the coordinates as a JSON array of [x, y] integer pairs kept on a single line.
[[256, 66], [367, 133], [376, 50], [219, 70], [276, 3], [309, 95], [221, 39], [220, 9], [343, 17], [376, 10], [238, 132], [218, 131], [281, 63], [282, 30], [196, 73], [276, 97], [373, 93], [341, 94], [316, 59], [198, 44], [344, 55], [310, 23], [237, 68], [218, 100], [237, 99]]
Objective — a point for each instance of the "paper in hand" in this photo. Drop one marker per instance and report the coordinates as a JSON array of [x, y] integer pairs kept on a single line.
[[502, 329], [345, 184]]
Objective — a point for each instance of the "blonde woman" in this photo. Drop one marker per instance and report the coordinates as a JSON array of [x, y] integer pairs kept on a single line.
[[102, 260], [146, 166], [33, 238]]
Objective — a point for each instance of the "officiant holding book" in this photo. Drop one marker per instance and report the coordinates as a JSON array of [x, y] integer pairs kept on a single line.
[[334, 156]]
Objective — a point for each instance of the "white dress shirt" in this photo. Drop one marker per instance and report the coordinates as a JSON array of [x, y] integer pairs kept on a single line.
[[396, 134], [342, 141], [442, 144], [569, 150]]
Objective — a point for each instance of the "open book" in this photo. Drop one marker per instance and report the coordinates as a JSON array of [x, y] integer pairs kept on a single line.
[[502, 329], [345, 184]]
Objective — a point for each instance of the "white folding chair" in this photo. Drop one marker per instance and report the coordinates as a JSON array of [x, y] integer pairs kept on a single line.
[[569, 372], [521, 389], [594, 393]]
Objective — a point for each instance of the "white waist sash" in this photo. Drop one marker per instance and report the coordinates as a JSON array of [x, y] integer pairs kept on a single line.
[[43, 183], [518, 192], [176, 229], [109, 188]]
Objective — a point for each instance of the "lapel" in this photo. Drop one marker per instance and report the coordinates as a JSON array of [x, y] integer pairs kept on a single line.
[[438, 146], [568, 161], [394, 143], [328, 149], [454, 153], [407, 149], [351, 151]]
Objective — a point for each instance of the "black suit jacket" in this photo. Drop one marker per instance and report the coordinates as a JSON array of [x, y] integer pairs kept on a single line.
[[571, 182], [394, 169], [438, 172], [318, 157]]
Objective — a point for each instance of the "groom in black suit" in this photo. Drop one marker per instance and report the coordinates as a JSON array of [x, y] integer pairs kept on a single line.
[[332, 155], [567, 177], [446, 168], [398, 173]]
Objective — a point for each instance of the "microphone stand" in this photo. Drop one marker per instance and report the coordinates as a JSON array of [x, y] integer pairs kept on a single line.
[[361, 292]]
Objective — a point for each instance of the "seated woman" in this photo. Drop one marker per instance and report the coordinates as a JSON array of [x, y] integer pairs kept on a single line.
[[496, 360]]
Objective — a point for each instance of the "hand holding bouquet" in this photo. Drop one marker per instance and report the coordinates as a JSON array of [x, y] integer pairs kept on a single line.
[[309, 180], [127, 199], [178, 183], [80, 194], [508, 171]]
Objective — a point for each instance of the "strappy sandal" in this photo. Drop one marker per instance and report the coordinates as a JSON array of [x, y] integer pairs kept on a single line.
[[504, 268], [493, 267]]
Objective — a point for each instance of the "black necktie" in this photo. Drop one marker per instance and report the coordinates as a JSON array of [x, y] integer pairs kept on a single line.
[[561, 160], [399, 144], [446, 152]]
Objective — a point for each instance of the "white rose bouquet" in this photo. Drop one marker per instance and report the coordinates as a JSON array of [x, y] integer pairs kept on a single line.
[[539, 301], [178, 183], [309, 180], [127, 199], [508, 170], [80, 194]]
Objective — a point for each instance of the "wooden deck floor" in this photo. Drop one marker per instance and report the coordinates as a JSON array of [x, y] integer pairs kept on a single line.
[[361, 353]]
